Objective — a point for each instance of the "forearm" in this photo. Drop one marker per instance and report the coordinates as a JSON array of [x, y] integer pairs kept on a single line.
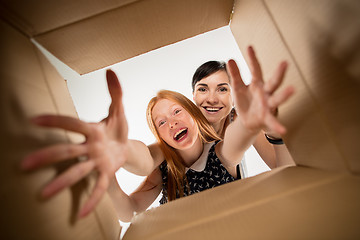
[[237, 140], [139, 159], [124, 205], [266, 150], [283, 157]]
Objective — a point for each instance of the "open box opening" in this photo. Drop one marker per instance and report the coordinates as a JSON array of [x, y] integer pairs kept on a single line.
[[322, 118]]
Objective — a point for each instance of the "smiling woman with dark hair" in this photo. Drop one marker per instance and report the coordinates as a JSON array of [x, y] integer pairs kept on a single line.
[[212, 94]]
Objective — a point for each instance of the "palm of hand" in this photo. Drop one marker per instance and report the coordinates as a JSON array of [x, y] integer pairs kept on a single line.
[[255, 103], [252, 107], [105, 148]]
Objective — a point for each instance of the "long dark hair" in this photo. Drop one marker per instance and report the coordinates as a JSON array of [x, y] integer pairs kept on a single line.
[[207, 69]]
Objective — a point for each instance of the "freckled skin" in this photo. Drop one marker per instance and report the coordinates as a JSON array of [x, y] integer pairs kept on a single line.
[[169, 119]]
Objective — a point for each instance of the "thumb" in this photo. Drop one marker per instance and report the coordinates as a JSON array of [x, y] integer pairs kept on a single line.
[[114, 86], [115, 91]]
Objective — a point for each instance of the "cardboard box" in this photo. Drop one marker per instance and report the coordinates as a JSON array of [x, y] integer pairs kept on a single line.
[[320, 198], [286, 203]]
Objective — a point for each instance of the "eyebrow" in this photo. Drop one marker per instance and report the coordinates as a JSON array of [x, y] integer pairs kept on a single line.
[[171, 107], [205, 85], [155, 120]]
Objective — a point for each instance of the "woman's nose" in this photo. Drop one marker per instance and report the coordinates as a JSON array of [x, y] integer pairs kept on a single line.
[[212, 98]]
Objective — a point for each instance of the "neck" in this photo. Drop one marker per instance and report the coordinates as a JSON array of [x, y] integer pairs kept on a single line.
[[193, 153], [219, 127]]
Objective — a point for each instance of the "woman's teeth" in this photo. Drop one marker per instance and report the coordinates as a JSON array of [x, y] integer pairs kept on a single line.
[[212, 109]]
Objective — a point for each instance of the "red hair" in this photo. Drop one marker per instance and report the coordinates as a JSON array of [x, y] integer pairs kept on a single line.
[[175, 164]]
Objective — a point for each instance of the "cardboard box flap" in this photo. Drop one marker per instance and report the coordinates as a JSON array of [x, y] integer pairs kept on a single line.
[[31, 86], [125, 32], [323, 116], [286, 203], [325, 46], [39, 16]]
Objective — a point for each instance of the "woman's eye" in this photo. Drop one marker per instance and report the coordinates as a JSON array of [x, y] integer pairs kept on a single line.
[[177, 111], [223, 89], [201, 89]]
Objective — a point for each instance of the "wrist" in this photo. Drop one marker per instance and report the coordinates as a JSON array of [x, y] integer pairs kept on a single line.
[[274, 140]]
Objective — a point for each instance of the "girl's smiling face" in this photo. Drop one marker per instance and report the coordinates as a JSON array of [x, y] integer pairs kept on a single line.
[[212, 95], [174, 124]]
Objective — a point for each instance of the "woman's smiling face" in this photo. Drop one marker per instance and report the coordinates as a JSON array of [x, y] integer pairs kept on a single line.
[[212, 95], [174, 124]]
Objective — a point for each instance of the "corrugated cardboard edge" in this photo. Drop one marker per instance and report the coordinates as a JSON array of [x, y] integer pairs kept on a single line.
[[131, 30]]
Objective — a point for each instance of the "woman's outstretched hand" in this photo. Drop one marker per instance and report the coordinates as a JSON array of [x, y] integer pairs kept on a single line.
[[105, 148], [255, 103]]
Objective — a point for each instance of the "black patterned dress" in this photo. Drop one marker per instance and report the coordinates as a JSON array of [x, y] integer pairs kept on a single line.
[[207, 172]]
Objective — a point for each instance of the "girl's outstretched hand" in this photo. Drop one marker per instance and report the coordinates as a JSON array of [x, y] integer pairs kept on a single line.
[[105, 148], [256, 102]]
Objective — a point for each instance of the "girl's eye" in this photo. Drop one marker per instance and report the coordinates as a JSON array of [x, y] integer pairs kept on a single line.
[[177, 111], [161, 123]]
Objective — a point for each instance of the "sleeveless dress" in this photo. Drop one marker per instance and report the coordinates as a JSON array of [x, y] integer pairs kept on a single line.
[[207, 172]]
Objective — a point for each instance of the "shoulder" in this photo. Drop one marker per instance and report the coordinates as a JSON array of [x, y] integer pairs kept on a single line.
[[156, 153]]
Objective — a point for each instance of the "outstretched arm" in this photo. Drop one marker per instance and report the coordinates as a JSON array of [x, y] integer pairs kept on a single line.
[[138, 201], [254, 106], [273, 155], [106, 149]]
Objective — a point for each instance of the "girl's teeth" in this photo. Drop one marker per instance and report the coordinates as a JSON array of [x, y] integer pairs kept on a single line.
[[178, 133]]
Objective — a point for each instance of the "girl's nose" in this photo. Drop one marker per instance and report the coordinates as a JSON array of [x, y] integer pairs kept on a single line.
[[172, 124]]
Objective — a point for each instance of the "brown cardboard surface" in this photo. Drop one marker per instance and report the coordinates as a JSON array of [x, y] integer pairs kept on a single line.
[[128, 31], [321, 127], [59, 92], [324, 39], [287, 203], [26, 90], [40, 16]]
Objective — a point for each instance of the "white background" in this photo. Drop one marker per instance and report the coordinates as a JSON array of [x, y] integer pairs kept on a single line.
[[170, 67]]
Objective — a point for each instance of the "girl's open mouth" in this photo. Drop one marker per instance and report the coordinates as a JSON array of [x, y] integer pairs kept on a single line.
[[179, 135]]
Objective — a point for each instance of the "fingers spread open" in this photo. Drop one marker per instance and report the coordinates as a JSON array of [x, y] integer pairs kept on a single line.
[[235, 77], [279, 98], [277, 78], [254, 65], [68, 178], [53, 154], [99, 190], [64, 122]]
